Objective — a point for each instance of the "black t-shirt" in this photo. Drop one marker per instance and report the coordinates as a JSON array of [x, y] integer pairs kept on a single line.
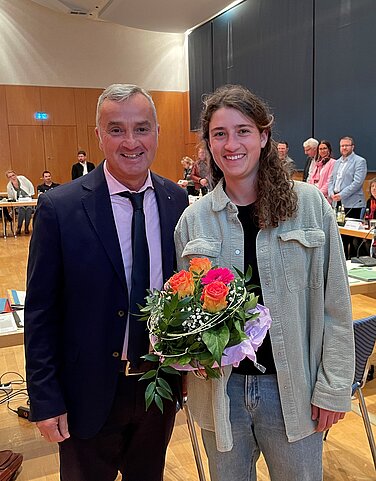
[[264, 353], [42, 188]]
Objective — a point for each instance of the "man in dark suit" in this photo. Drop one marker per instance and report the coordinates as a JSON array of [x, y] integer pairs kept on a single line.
[[77, 329], [82, 167]]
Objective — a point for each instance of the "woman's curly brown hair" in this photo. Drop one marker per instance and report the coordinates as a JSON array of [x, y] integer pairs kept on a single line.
[[276, 200]]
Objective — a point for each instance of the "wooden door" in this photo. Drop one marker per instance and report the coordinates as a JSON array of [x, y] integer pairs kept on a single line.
[[61, 151], [27, 152]]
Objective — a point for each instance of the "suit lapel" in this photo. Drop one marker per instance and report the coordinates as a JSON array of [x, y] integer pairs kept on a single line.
[[97, 204]]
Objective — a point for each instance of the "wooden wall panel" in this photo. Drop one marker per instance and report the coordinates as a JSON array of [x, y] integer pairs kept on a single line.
[[81, 119], [59, 104], [191, 138], [92, 96], [4, 140], [94, 153], [169, 107], [22, 103], [61, 151], [27, 151], [56, 148]]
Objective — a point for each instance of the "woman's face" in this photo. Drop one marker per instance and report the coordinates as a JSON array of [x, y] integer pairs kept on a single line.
[[235, 143], [201, 154], [13, 178], [323, 151], [373, 189]]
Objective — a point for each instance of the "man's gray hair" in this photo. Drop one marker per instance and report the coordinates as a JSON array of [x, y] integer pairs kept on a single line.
[[311, 142], [121, 92]]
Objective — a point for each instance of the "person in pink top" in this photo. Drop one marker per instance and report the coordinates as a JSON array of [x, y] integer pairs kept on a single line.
[[322, 169]]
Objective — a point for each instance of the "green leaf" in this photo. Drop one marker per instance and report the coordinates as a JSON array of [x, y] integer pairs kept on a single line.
[[174, 321], [183, 315], [149, 394], [183, 302], [170, 360], [248, 274], [148, 374], [204, 357], [212, 373], [151, 357], [174, 302], [163, 393], [167, 311], [159, 402], [169, 370], [216, 341], [240, 273], [186, 359], [163, 383]]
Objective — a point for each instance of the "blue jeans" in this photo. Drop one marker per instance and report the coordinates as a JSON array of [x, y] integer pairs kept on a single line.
[[258, 426]]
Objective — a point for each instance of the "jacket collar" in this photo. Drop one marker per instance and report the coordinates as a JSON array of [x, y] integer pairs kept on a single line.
[[220, 200]]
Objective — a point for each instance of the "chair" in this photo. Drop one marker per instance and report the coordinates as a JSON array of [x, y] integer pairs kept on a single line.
[[365, 339]]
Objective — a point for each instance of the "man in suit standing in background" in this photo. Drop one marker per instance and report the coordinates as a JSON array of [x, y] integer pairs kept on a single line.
[[346, 182], [82, 167], [346, 188], [82, 345]]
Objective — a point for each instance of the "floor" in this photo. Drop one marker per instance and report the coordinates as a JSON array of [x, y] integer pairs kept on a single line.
[[346, 452]]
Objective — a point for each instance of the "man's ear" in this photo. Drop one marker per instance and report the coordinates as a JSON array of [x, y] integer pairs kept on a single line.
[[99, 138]]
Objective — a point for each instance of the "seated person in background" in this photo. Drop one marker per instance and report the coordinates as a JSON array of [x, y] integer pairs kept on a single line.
[[368, 247], [187, 181], [20, 187], [200, 171], [371, 202], [283, 150], [82, 167], [47, 183], [322, 168]]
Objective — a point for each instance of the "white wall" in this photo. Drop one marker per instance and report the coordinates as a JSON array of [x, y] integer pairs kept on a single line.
[[42, 47]]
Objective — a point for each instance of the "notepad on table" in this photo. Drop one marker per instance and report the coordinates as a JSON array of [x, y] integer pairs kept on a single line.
[[16, 298], [363, 274], [5, 305]]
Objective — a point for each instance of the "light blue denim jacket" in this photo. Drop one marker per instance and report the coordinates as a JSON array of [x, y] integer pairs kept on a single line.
[[304, 284]]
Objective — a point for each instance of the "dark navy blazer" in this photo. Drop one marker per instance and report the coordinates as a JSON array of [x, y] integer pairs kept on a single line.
[[76, 304]]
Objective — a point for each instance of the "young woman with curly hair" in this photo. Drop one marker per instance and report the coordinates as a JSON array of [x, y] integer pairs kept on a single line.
[[256, 215]]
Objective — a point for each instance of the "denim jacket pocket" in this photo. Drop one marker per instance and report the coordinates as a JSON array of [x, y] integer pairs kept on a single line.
[[302, 253], [203, 247]]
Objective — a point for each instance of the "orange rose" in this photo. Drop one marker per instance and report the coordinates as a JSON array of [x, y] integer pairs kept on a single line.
[[200, 265], [182, 284], [214, 296]]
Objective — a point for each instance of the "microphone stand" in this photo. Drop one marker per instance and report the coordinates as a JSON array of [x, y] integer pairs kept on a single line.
[[367, 261], [355, 206]]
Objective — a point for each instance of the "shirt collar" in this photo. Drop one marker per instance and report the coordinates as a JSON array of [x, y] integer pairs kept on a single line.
[[115, 187], [350, 157]]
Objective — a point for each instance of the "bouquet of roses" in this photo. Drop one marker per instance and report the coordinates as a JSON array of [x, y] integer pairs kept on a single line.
[[203, 319]]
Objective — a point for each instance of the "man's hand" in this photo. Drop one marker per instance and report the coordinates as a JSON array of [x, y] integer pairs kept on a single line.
[[54, 430], [325, 419], [336, 197], [203, 182]]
